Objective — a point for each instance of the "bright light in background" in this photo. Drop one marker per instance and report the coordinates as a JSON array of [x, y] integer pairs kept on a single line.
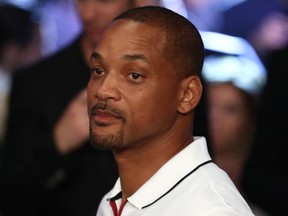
[[23, 3], [179, 7], [175, 5]]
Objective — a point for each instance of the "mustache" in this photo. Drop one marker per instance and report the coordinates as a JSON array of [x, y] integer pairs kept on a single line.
[[106, 107]]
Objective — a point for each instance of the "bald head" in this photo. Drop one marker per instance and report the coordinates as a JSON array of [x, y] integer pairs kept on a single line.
[[184, 47]]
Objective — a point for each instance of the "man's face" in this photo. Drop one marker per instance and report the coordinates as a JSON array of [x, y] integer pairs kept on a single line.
[[133, 91], [96, 15]]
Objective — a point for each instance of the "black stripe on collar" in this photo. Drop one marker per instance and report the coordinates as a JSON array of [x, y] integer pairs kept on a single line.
[[200, 165], [118, 196]]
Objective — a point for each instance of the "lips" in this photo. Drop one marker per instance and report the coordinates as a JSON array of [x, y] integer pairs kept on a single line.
[[104, 116], [105, 113]]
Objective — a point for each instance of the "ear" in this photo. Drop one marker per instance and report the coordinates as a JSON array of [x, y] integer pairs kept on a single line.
[[191, 91]]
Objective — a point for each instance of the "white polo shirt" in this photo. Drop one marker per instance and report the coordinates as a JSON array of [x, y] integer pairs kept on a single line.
[[189, 184]]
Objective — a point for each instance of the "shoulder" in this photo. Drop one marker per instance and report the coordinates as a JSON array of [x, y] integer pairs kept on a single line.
[[211, 187]]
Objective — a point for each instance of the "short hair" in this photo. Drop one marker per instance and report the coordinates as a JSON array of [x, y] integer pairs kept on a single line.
[[184, 47]]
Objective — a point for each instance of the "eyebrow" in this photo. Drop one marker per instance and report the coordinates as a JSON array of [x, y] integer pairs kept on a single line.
[[95, 56], [129, 57], [134, 57]]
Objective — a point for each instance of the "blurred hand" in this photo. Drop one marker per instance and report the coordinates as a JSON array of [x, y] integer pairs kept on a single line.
[[72, 130]]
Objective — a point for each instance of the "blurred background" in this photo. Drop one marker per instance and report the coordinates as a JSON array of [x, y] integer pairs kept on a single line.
[[246, 43], [261, 22]]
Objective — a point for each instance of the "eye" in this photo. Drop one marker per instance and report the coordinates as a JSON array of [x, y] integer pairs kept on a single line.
[[135, 76], [97, 71]]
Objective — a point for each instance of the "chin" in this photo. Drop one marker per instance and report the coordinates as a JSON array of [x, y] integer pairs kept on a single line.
[[106, 141], [99, 147]]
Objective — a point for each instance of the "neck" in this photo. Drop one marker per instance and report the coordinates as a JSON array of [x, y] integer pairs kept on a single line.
[[138, 165]]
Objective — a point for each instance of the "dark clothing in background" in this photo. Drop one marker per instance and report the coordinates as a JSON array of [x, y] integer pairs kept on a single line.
[[265, 178], [35, 179]]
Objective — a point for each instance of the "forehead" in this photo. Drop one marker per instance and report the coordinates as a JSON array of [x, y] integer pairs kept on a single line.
[[128, 36]]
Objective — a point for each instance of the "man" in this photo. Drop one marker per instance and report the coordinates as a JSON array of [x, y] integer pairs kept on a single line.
[[142, 94], [49, 166]]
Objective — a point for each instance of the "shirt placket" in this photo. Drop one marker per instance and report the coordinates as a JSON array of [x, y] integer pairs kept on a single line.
[[115, 209]]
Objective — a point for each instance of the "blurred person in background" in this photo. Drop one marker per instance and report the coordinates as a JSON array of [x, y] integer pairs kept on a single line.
[[265, 176], [141, 3], [235, 78], [56, 31], [207, 14], [264, 23], [49, 166], [20, 45]]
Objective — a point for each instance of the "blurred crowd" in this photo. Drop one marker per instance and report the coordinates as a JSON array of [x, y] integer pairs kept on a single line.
[[44, 52]]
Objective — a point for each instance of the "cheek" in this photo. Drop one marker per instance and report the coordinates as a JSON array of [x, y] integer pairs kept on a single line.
[[154, 108], [91, 88], [143, 107]]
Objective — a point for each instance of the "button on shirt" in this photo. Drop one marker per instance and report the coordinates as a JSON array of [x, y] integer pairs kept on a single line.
[[189, 184]]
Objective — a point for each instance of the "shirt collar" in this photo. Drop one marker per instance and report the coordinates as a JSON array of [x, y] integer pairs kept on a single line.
[[168, 175]]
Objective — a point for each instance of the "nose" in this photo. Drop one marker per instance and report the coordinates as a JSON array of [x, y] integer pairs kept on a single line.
[[108, 89]]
